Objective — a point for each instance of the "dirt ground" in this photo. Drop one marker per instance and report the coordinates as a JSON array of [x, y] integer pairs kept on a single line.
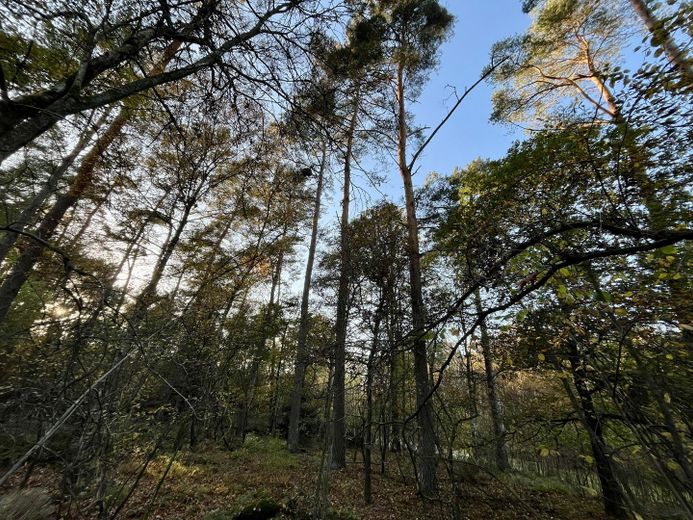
[[215, 484]]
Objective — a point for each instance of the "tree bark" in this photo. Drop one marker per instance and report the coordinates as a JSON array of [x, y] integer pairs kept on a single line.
[[663, 38], [499, 431], [83, 180], [338, 407], [268, 316], [427, 474], [29, 213], [303, 325], [614, 501], [368, 430]]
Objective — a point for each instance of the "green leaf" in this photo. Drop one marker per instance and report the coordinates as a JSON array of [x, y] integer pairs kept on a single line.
[[562, 291]]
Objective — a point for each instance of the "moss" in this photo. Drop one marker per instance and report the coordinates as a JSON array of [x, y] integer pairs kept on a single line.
[[270, 452], [218, 515], [251, 506], [340, 515], [260, 510], [538, 483]]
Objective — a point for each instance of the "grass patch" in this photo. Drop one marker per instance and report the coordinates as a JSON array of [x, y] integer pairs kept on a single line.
[[538, 483], [269, 452]]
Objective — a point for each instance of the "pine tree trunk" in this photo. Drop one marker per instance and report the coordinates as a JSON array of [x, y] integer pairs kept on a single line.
[[676, 56], [30, 212], [302, 340], [427, 474], [339, 405]]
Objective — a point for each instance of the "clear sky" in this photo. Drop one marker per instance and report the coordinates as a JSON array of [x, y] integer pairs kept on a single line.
[[469, 134]]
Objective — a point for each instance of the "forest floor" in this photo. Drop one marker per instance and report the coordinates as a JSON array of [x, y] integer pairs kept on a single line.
[[215, 484]]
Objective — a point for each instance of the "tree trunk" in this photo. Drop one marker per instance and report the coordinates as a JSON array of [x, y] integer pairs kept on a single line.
[[275, 399], [473, 406], [662, 37], [501, 451], [393, 339], [614, 501], [321, 503], [145, 299], [242, 424], [368, 429], [83, 180], [29, 213], [301, 346], [427, 474], [338, 407]]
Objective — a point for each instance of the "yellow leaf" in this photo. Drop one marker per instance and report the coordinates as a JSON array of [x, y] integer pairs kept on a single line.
[[667, 398], [590, 491], [541, 357], [672, 465]]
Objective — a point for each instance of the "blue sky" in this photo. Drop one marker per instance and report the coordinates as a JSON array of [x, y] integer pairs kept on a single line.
[[469, 134]]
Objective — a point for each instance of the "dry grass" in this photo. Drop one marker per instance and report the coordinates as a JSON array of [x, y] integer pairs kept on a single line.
[[211, 484]]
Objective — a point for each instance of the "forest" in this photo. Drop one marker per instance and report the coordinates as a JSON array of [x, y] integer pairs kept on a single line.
[[212, 308]]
